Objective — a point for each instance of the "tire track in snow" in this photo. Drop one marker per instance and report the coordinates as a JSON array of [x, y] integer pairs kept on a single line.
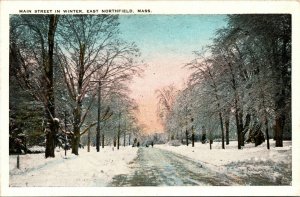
[[156, 167]]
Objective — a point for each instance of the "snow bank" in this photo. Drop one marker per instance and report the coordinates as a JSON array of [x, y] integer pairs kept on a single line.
[[272, 166], [219, 157], [87, 169], [37, 149]]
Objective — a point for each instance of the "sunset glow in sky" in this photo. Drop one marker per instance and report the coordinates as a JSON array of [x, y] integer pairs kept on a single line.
[[167, 43]]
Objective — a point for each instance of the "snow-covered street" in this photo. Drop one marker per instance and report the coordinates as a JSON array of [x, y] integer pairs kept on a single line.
[[156, 167], [178, 166], [163, 165]]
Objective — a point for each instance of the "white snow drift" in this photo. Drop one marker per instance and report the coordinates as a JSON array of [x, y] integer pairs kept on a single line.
[[88, 169], [274, 164]]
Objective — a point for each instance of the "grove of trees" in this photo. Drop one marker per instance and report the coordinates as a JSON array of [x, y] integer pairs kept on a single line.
[[57, 63], [66, 71], [240, 86]]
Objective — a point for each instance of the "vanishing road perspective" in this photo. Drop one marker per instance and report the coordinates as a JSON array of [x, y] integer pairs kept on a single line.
[[156, 167], [118, 100]]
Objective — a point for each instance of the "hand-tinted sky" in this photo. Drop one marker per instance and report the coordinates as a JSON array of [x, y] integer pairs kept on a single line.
[[167, 43]]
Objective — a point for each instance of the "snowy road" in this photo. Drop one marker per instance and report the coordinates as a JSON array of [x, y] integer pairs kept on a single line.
[[156, 167], [172, 166]]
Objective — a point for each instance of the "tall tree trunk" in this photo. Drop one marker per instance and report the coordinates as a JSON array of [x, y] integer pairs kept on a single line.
[[222, 129], [114, 141], [182, 136], [280, 102], [279, 130], [78, 109], [50, 107], [266, 119], [193, 137], [238, 130], [124, 139], [89, 141], [65, 123], [227, 129], [99, 119], [102, 143], [119, 131], [75, 144], [50, 139], [220, 113], [76, 129], [242, 134], [238, 125], [186, 137], [118, 141], [236, 106], [267, 132], [129, 138], [193, 133], [124, 136]]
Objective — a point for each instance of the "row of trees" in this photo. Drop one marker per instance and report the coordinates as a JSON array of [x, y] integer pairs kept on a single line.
[[60, 62], [241, 82]]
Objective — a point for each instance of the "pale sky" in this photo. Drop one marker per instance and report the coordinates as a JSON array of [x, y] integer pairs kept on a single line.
[[167, 43]]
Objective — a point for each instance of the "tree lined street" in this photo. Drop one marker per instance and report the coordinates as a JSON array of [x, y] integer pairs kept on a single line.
[[80, 81]]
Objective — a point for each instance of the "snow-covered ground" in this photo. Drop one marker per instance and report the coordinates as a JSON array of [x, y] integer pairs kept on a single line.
[[88, 169], [274, 164], [251, 165]]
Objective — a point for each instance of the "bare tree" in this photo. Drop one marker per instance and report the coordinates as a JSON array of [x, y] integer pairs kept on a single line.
[[166, 98], [89, 49], [203, 70]]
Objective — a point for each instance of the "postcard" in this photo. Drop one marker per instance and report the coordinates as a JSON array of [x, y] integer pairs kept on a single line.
[[149, 98]]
